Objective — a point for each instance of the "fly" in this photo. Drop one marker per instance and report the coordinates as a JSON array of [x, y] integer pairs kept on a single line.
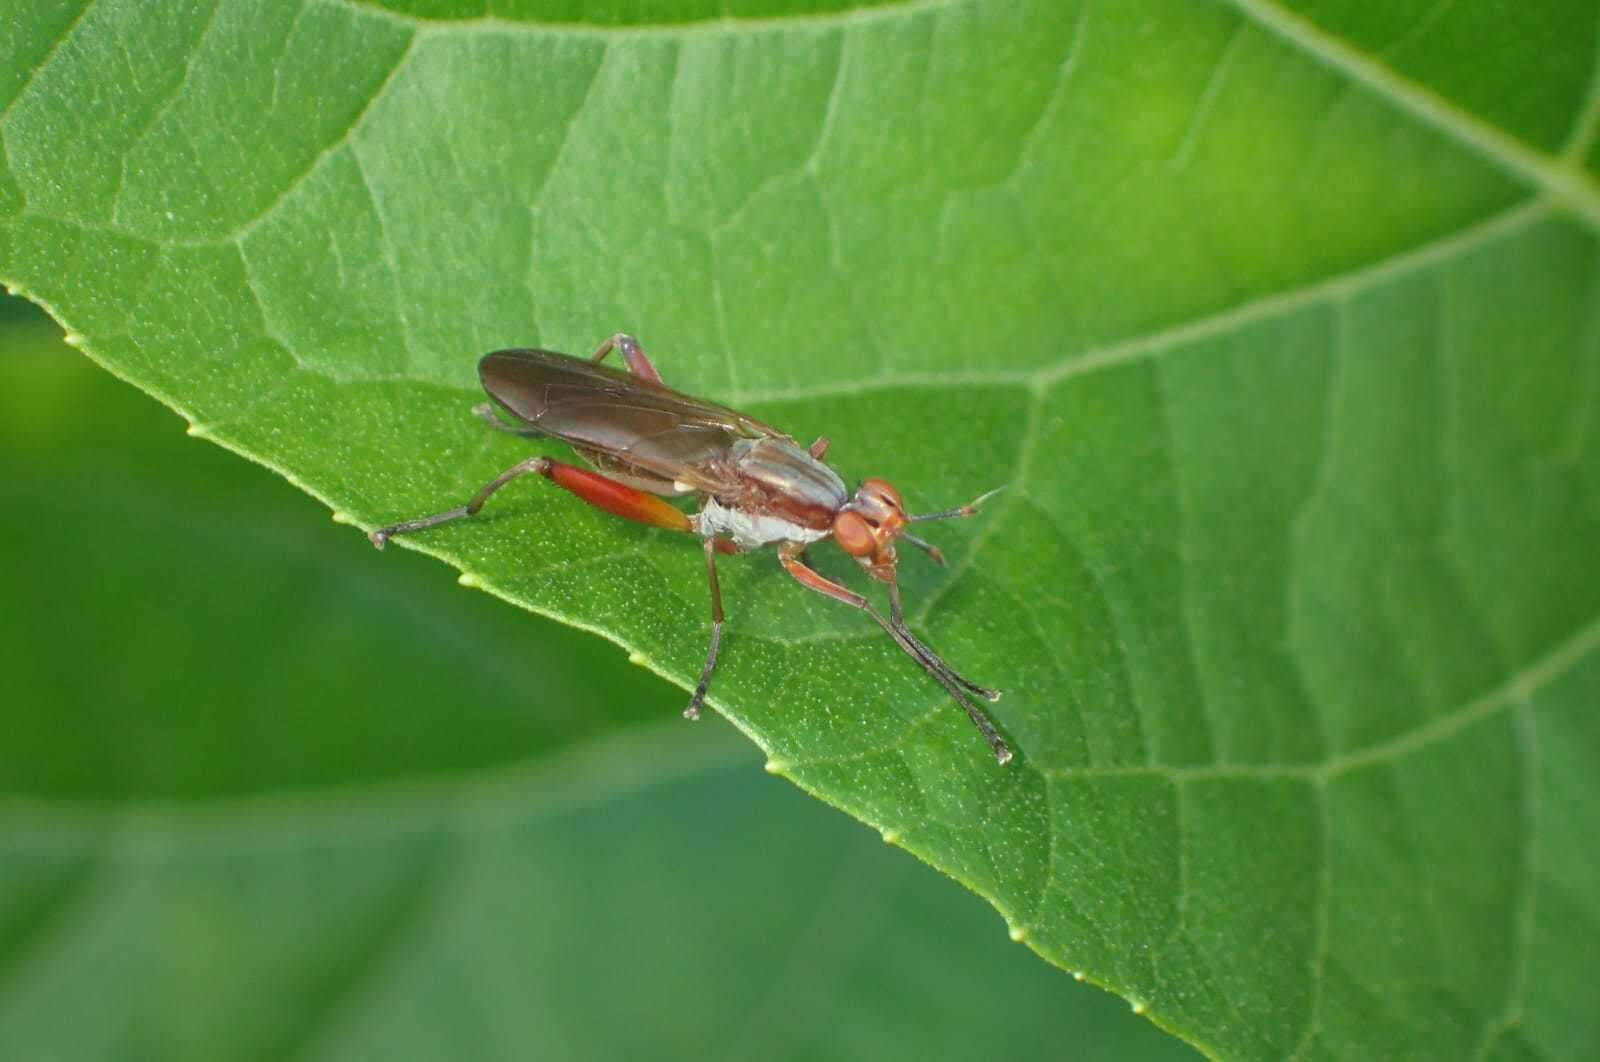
[[758, 487]]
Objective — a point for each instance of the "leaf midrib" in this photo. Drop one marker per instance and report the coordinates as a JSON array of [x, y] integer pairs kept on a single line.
[[617, 765]]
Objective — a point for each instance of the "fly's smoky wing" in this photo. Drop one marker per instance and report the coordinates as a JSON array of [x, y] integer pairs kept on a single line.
[[634, 421]]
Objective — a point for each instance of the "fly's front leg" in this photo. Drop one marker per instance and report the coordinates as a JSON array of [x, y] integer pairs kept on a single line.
[[615, 498], [954, 685], [897, 617], [693, 711], [931, 659], [632, 354]]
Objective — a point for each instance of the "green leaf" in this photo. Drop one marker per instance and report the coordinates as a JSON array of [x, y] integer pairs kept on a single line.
[[1279, 323]]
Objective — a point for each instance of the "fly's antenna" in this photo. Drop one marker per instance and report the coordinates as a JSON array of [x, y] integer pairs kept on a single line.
[[933, 552], [961, 510]]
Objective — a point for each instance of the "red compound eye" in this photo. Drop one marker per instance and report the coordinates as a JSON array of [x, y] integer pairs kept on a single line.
[[850, 530]]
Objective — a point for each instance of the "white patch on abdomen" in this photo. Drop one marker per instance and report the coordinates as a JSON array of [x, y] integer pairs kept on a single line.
[[751, 530]]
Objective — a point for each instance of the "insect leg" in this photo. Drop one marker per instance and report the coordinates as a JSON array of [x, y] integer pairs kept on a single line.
[[693, 711], [812, 579], [383, 534], [628, 348], [897, 617], [618, 499], [934, 553], [615, 498]]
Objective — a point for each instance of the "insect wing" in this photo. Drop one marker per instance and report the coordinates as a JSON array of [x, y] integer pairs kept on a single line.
[[632, 421]]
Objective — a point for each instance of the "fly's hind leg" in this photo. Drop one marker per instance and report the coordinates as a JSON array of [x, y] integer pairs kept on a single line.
[[632, 354], [382, 535], [618, 499]]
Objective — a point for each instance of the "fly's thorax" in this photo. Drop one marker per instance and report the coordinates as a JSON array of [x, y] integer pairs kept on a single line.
[[781, 480]]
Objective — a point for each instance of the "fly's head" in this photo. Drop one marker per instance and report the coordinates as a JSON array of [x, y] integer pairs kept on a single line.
[[867, 526]]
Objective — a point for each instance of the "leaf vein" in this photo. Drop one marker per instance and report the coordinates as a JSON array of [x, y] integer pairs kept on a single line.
[[243, 231], [1552, 175], [1317, 962], [49, 56], [1523, 917], [1208, 97], [1321, 487], [1047, 114], [1169, 445], [1147, 345], [161, 110], [1587, 126], [1017, 485], [389, 261], [1521, 685], [722, 24]]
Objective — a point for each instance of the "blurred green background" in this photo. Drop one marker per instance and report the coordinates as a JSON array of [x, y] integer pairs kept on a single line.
[[230, 827]]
